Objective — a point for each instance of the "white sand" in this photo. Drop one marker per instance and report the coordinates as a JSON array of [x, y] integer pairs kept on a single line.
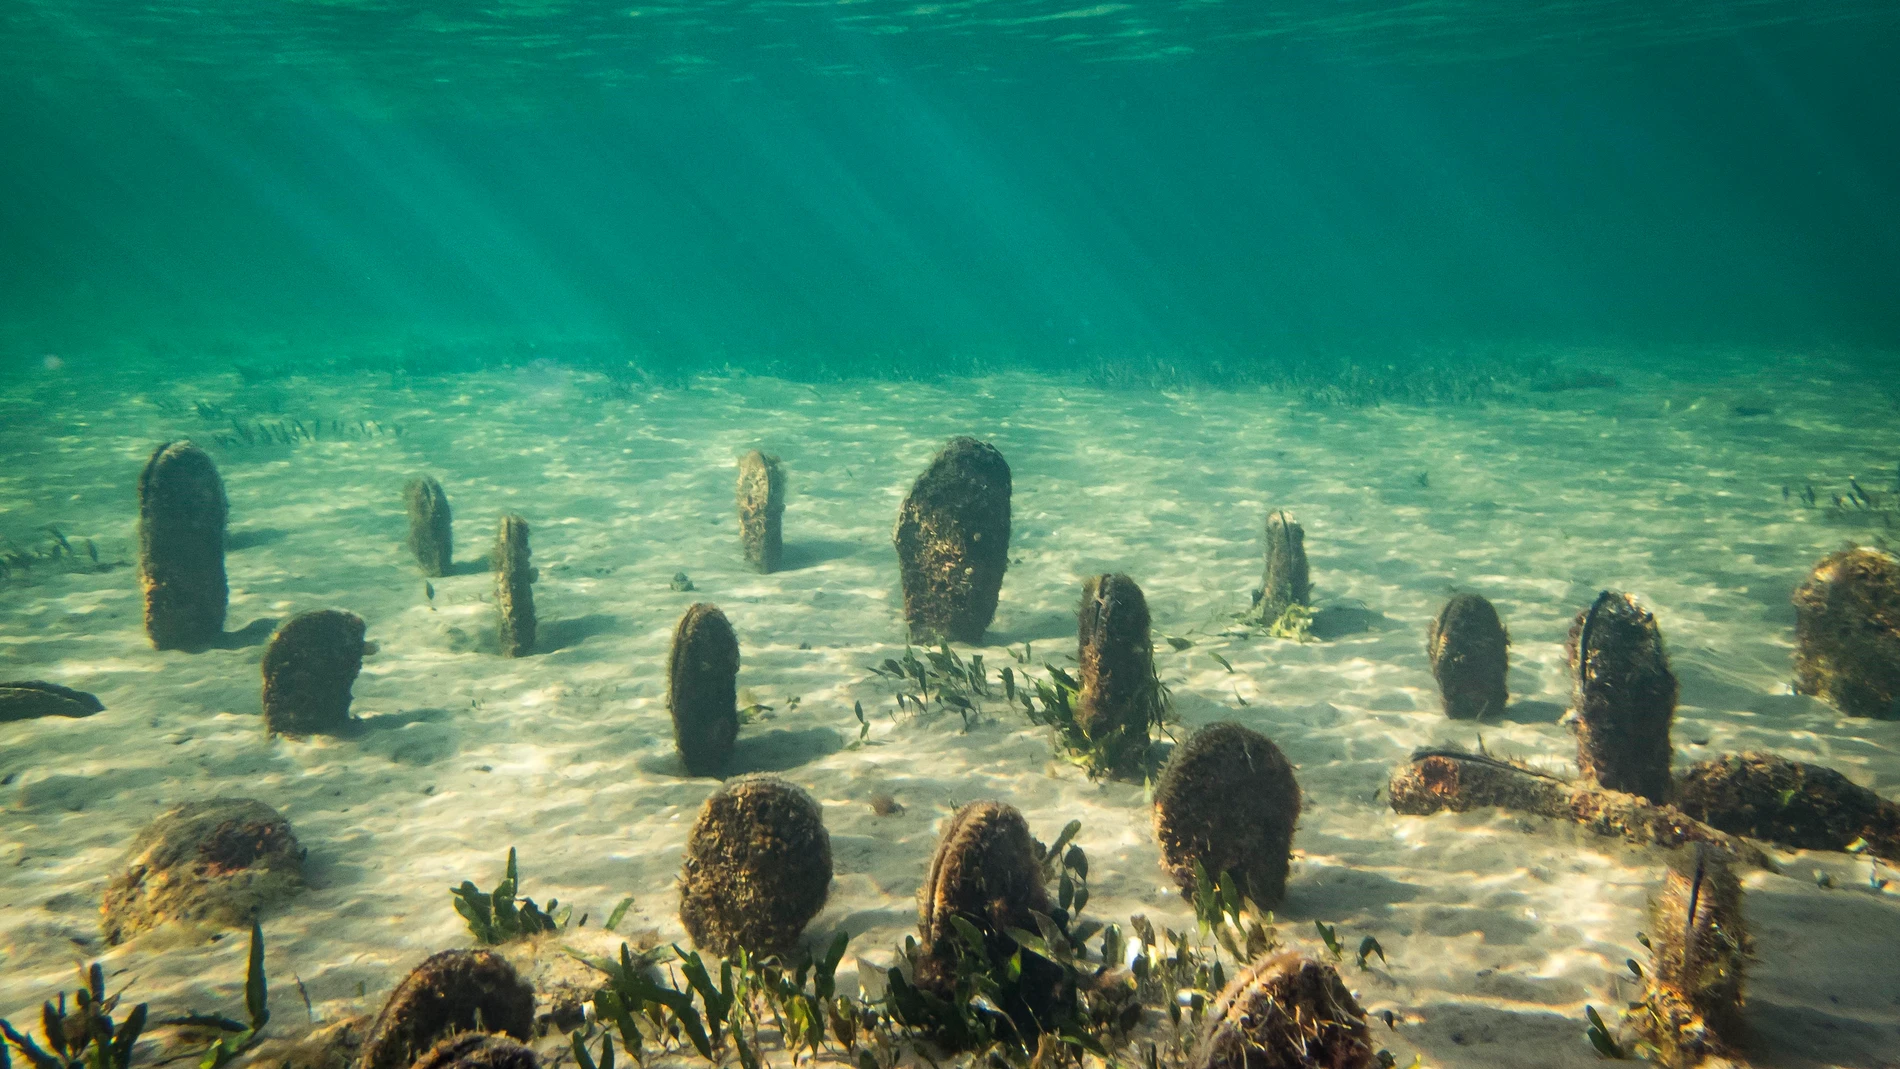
[[1499, 930]]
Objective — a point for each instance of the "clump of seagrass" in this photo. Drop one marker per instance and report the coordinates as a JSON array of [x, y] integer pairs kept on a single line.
[[702, 689], [1624, 697], [1698, 950], [452, 992], [431, 532], [477, 1050], [1227, 803], [1285, 582], [514, 587], [1808, 807], [761, 510], [1120, 698], [309, 667], [1438, 780], [952, 540], [1847, 633], [219, 863], [1469, 650], [1285, 1012], [985, 873], [28, 699], [182, 513], [757, 868]]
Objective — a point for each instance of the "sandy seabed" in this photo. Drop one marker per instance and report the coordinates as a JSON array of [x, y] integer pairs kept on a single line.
[[1498, 929]]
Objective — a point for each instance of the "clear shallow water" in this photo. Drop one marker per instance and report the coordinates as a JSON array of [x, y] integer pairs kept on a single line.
[[1183, 263], [1002, 184]]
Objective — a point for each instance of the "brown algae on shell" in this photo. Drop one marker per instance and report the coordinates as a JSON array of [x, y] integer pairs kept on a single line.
[[952, 540], [221, 863], [757, 868]]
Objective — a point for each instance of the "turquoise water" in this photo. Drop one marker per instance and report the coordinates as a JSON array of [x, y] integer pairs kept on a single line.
[[826, 187], [1533, 300]]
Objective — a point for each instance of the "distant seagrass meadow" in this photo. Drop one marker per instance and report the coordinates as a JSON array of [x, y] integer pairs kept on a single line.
[[1555, 722]]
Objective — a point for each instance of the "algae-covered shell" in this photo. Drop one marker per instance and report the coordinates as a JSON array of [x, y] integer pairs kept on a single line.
[[1285, 580], [182, 516], [1119, 695], [453, 991], [952, 540], [761, 510], [1808, 807], [1228, 801], [1285, 1012], [1624, 697], [757, 868], [1699, 948], [514, 587], [1847, 633], [431, 525], [1469, 651], [309, 668], [477, 1050], [985, 870], [224, 863], [28, 699], [702, 689]]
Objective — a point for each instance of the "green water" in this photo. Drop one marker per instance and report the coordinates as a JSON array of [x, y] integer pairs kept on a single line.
[[1184, 264], [1217, 188]]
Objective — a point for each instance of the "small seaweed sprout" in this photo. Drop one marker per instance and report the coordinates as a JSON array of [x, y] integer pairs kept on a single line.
[[54, 550], [944, 679], [1599, 1035], [1233, 920], [1329, 934], [86, 1037], [1859, 505], [229, 1037], [1127, 750], [496, 917], [1007, 1010], [1860, 848], [715, 1007], [864, 727], [619, 914], [1294, 623], [1368, 947]]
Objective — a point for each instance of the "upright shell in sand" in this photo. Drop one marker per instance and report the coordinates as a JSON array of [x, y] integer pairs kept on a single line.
[[182, 515], [1284, 583], [1285, 1012], [309, 668], [1469, 650], [514, 587], [985, 871], [1698, 953], [757, 868], [761, 510], [431, 530], [952, 540], [1625, 697], [1227, 801], [702, 689], [1847, 633], [452, 992], [1120, 698]]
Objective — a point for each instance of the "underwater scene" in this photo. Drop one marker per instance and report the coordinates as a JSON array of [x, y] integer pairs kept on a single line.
[[992, 534]]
